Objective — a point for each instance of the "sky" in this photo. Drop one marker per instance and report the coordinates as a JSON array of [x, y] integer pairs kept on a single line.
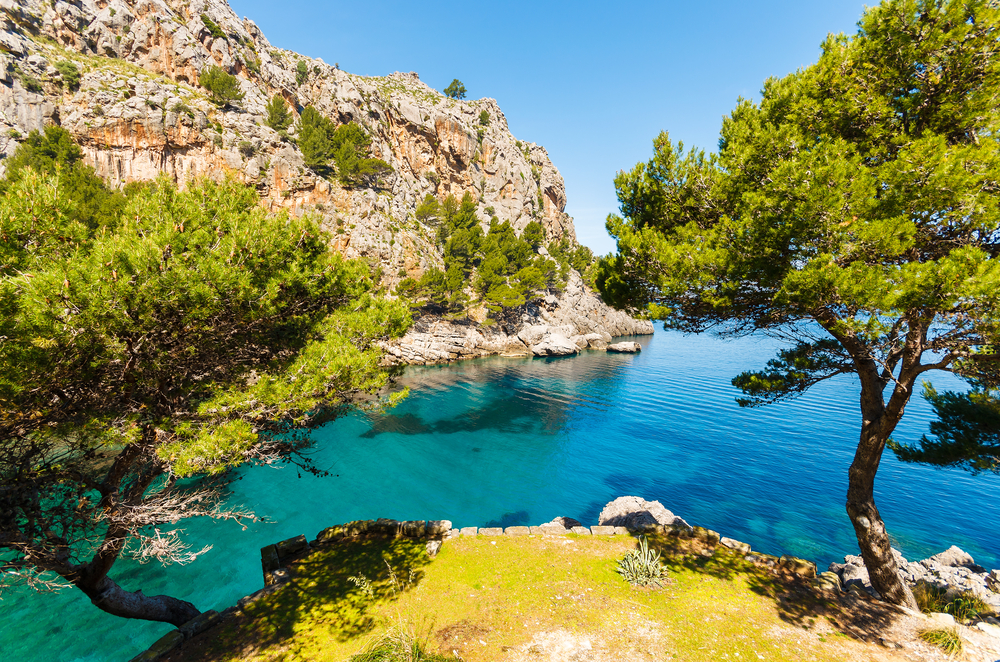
[[592, 82]]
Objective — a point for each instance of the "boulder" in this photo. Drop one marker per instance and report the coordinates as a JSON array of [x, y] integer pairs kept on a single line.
[[953, 557], [625, 347], [635, 513], [554, 344]]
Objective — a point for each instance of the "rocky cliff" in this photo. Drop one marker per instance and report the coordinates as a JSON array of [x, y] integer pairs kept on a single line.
[[139, 113]]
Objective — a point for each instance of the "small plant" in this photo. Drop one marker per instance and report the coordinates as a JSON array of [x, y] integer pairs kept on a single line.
[[246, 149], [99, 110], [182, 108], [13, 133], [364, 584], [213, 27], [32, 84], [396, 645], [967, 607], [484, 118], [947, 639], [70, 74], [301, 72], [456, 90], [642, 566], [929, 598], [217, 139]]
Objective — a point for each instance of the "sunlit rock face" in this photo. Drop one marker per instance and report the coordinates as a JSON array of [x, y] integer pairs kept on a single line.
[[139, 113]]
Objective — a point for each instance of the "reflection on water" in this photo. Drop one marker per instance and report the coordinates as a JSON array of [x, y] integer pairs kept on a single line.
[[505, 442]]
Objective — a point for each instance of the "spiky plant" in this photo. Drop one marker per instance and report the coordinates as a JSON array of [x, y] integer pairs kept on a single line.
[[642, 566]]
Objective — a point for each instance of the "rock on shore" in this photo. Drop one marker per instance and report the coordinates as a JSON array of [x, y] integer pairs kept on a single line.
[[636, 513], [953, 570]]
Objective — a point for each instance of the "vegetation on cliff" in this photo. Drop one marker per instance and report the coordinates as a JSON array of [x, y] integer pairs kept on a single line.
[[496, 268], [853, 211], [150, 337]]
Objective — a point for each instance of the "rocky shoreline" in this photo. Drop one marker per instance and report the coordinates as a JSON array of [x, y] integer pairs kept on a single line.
[[560, 325]]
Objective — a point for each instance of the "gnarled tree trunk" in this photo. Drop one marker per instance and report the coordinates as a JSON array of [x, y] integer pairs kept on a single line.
[[112, 598], [873, 540]]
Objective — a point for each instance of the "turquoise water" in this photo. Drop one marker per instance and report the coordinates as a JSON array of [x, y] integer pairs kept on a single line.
[[502, 442]]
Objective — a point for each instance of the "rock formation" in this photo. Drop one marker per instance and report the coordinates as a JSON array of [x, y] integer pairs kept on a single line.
[[636, 513], [953, 571], [139, 113]]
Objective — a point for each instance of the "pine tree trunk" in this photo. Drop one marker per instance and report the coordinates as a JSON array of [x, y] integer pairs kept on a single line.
[[868, 525], [112, 598]]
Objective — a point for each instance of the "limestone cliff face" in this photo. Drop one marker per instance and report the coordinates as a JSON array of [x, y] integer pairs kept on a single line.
[[139, 114]]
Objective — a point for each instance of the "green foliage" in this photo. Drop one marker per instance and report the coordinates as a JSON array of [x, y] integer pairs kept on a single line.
[[642, 566], [54, 152], [223, 87], [350, 144], [70, 74], [947, 639], [278, 116], [184, 336], [316, 138], [930, 598], [246, 149], [854, 202], [484, 118], [428, 210], [967, 607], [534, 234], [301, 72], [213, 27], [967, 431], [31, 84], [455, 90]]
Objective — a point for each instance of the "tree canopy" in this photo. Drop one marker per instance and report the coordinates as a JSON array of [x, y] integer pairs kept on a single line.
[[455, 90], [188, 334], [853, 212]]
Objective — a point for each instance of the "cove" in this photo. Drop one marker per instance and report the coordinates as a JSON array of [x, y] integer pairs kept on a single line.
[[501, 442]]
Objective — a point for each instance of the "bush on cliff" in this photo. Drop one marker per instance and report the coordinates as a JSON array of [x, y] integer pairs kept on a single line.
[[278, 116], [223, 87]]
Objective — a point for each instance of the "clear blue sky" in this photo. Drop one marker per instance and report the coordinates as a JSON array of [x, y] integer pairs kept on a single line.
[[593, 82]]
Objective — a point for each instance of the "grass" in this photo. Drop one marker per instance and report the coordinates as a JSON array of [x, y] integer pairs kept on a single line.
[[947, 639], [486, 598]]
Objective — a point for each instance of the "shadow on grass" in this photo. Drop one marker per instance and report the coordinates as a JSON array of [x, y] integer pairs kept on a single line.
[[323, 597], [797, 601]]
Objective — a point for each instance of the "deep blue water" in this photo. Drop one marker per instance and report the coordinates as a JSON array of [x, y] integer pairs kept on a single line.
[[518, 441]]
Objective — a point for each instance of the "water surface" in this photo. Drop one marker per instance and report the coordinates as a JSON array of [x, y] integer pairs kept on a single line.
[[501, 442]]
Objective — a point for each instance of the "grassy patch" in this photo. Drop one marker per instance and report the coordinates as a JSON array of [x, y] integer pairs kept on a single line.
[[490, 598], [947, 639]]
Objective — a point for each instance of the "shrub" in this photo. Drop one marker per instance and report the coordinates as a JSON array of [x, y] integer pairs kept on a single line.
[[929, 598], [213, 28], [428, 209], [180, 108], [947, 639], [246, 149], [642, 566], [223, 87], [32, 84], [456, 90], [484, 118], [70, 74], [278, 117], [967, 607], [301, 72]]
